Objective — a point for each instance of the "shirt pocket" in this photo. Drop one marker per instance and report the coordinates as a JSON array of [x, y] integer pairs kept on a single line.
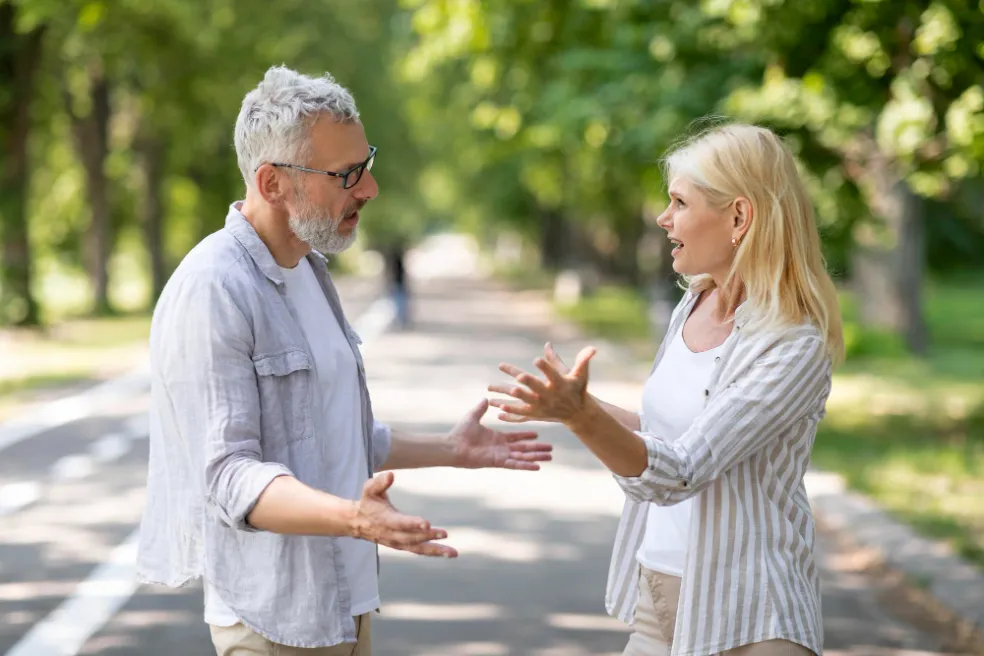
[[284, 380]]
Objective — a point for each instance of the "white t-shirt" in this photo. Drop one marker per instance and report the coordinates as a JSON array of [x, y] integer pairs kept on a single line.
[[671, 400], [338, 381]]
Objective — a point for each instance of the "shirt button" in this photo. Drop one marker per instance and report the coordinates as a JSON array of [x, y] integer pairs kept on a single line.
[[707, 393], [717, 359]]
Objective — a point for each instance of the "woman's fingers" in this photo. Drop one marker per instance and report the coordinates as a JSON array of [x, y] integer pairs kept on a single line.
[[505, 405], [514, 391], [580, 369], [512, 419]]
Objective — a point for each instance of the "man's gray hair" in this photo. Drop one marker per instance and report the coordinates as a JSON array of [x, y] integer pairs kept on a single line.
[[275, 118]]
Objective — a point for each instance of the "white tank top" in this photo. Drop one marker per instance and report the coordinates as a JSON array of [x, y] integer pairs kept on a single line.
[[671, 399]]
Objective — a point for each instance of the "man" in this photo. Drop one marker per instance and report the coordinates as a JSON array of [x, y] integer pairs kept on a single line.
[[263, 442]]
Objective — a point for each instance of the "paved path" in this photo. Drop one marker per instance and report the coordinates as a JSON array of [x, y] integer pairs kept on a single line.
[[535, 546]]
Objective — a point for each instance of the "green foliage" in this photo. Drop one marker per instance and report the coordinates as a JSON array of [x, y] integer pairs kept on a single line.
[[616, 313], [498, 116]]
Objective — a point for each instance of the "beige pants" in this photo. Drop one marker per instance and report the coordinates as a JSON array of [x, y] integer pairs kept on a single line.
[[237, 640], [655, 617]]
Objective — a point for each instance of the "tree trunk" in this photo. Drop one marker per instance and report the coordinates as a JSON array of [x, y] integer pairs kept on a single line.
[[888, 259], [626, 263], [152, 159], [91, 131], [556, 240], [20, 55]]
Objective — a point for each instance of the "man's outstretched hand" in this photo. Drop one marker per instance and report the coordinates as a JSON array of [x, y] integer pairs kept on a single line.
[[477, 446], [376, 520]]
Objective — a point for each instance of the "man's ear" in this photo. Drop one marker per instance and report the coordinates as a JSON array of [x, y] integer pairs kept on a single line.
[[271, 183]]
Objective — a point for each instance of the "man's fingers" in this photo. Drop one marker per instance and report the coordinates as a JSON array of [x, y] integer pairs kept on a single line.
[[514, 391], [525, 436], [431, 549], [378, 484], [480, 409], [410, 538], [512, 419], [521, 465], [531, 456]]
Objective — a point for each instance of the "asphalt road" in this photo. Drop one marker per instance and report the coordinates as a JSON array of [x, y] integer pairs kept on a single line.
[[534, 546]]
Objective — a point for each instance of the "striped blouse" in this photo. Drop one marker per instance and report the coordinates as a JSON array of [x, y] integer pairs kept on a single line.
[[750, 573]]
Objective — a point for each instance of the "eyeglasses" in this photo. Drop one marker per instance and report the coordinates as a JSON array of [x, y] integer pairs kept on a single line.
[[349, 178]]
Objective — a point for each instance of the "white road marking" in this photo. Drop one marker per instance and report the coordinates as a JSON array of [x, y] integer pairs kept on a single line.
[[72, 468], [110, 447], [15, 496], [109, 586], [92, 604], [72, 408]]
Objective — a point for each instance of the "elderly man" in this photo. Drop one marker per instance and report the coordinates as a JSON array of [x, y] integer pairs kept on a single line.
[[263, 444]]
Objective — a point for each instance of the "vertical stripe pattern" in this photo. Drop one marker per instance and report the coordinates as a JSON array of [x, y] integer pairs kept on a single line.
[[750, 573]]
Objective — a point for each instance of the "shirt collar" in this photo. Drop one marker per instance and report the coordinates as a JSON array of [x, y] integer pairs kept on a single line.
[[240, 227]]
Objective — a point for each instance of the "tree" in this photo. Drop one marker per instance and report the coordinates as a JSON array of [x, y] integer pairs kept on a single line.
[[20, 54], [894, 92]]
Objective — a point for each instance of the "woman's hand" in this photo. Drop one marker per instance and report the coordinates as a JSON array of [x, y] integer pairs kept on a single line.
[[553, 360], [559, 397]]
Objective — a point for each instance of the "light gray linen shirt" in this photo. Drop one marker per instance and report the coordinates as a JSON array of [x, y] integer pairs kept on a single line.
[[750, 573], [232, 391]]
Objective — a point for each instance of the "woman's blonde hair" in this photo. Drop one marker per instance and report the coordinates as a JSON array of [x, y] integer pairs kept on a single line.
[[778, 260]]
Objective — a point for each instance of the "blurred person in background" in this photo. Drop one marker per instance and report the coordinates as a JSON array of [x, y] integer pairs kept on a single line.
[[715, 549], [263, 444], [396, 275]]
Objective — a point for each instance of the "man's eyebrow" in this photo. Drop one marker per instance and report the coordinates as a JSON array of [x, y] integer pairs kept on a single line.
[[354, 164]]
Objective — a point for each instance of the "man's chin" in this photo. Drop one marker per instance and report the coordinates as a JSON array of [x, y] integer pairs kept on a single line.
[[340, 244]]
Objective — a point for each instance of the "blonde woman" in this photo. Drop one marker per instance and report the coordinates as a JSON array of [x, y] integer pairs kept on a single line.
[[714, 552]]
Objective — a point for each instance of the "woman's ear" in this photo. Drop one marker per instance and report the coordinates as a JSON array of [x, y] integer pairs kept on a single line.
[[743, 215]]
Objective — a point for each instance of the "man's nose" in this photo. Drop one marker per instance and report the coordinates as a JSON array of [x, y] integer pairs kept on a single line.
[[366, 189]]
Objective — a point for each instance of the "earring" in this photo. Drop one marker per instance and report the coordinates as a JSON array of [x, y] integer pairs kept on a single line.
[[734, 241]]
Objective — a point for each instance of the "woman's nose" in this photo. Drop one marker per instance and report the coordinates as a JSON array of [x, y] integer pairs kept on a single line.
[[664, 220]]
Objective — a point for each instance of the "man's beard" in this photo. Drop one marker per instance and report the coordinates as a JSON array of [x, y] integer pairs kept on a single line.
[[318, 229]]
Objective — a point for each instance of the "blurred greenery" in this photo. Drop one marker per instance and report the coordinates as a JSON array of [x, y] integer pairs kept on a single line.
[[540, 120], [74, 352], [907, 430]]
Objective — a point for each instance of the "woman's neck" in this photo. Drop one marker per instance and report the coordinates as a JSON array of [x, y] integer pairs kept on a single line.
[[727, 298]]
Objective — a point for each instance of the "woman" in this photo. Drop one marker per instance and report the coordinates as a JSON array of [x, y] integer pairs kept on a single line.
[[714, 552]]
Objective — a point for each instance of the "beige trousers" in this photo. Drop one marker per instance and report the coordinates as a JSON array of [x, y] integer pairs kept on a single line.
[[237, 640], [655, 617]]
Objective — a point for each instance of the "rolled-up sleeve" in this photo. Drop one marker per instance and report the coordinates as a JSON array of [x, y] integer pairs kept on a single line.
[[210, 379], [787, 383], [382, 441]]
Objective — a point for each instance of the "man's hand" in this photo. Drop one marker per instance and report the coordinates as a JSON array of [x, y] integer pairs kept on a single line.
[[476, 446], [376, 520]]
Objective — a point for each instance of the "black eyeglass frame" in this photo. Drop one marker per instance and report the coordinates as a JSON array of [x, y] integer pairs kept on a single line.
[[358, 168]]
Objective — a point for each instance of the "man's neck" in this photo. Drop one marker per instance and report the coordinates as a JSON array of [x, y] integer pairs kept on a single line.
[[272, 229]]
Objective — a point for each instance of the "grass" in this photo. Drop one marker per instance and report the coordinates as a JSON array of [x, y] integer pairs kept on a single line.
[[616, 313], [907, 431], [66, 354]]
